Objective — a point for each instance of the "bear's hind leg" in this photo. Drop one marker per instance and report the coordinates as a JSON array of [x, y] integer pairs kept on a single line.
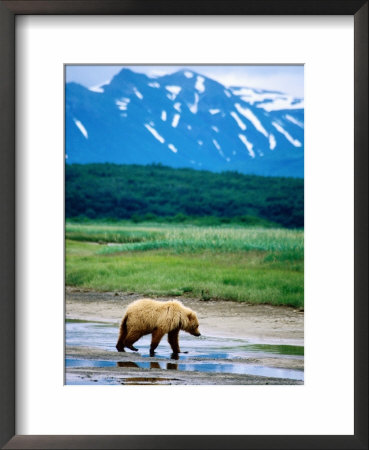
[[155, 340], [131, 338]]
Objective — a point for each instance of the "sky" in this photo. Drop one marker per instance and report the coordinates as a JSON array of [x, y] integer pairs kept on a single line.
[[288, 79]]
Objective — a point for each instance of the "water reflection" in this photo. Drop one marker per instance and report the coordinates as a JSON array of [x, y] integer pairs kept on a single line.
[[172, 366], [127, 364], [145, 365]]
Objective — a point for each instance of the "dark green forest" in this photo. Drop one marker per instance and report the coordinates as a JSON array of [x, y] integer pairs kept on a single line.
[[156, 193]]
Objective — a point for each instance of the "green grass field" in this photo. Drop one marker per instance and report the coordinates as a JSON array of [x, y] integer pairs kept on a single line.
[[255, 265]]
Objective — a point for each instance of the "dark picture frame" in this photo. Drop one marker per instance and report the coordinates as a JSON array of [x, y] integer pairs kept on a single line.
[[8, 11]]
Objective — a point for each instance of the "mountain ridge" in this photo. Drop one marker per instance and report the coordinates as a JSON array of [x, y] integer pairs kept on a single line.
[[185, 119]]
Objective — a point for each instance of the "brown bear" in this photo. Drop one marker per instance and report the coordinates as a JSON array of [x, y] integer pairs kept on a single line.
[[147, 316]]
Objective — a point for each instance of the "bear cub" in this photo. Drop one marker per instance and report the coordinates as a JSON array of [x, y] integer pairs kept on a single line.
[[147, 316]]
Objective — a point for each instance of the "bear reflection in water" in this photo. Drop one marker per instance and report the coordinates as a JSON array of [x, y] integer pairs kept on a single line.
[[153, 365], [147, 316]]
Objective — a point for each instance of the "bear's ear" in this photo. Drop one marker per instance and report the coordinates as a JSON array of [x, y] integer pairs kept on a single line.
[[190, 316]]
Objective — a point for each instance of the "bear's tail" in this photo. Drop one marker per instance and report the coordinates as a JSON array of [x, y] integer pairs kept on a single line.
[[123, 325]]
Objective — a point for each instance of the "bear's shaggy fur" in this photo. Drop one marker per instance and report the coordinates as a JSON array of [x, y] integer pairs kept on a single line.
[[147, 316]]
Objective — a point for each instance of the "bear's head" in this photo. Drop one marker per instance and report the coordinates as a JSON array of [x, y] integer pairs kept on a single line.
[[193, 324]]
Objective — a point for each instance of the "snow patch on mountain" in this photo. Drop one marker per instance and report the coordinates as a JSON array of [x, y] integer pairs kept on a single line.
[[174, 90], [175, 120], [188, 74], [269, 101], [217, 146], [173, 148], [214, 111], [82, 129], [248, 145], [248, 114], [295, 121], [193, 108], [293, 141], [154, 84], [281, 103], [238, 120], [215, 142], [155, 133], [138, 93], [200, 84], [272, 142], [163, 116], [122, 103], [252, 96], [99, 87]]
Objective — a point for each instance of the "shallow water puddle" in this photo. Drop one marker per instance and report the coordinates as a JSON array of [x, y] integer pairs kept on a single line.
[[238, 368], [205, 354]]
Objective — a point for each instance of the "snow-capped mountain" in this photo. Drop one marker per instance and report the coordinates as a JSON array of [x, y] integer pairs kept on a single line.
[[185, 120]]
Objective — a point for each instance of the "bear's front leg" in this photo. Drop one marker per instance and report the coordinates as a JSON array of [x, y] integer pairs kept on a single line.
[[173, 341], [155, 340]]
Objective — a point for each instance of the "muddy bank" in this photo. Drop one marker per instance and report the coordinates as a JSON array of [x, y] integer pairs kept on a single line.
[[240, 344], [134, 376]]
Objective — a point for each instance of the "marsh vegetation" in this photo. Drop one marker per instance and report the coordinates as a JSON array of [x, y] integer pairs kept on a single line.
[[246, 264]]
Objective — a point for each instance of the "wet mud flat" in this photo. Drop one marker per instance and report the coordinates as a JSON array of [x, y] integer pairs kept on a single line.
[[133, 376], [91, 358], [240, 344]]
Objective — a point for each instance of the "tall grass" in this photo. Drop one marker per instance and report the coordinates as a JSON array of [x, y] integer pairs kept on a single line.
[[108, 233], [235, 263], [224, 240]]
